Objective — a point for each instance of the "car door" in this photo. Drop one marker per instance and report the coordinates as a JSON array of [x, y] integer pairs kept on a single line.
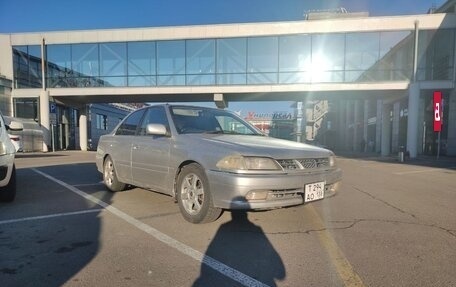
[[121, 145], [150, 154]]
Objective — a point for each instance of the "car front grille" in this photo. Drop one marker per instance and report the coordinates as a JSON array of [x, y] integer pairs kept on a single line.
[[305, 163]]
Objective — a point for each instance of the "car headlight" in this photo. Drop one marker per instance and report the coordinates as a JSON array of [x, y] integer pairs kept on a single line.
[[239, 162]]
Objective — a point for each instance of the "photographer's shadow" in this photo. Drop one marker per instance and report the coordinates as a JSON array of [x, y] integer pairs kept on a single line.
[[243, 246]]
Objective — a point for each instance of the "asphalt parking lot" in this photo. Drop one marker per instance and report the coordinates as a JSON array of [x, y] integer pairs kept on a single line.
[[391, 224]]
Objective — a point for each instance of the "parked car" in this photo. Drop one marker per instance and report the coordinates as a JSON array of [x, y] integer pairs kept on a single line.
[[7, 167], [210, 160]]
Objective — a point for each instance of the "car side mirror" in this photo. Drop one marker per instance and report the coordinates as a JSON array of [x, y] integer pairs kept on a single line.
[[15, 126], [156, 130]]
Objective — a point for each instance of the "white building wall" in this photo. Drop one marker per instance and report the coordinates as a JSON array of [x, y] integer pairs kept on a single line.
[[6, 56]]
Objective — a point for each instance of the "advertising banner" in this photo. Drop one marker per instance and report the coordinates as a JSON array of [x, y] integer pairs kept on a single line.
[[438, 111]]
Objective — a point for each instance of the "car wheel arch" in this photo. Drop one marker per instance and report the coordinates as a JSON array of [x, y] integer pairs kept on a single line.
[[178, 171]]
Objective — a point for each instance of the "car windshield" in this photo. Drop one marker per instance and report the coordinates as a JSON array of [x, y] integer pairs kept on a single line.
[[205, 120]]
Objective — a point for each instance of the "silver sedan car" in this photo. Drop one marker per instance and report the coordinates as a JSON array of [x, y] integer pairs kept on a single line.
[[210, 160]]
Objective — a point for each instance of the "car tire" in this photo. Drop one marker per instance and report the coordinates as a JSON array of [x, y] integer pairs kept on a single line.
[[194, 197], [8, 192], [110, 176]]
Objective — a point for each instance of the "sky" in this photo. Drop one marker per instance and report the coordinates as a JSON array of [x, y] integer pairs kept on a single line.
[[55, 15]]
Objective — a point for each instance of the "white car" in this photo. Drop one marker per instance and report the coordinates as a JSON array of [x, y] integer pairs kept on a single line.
[[7, 168]]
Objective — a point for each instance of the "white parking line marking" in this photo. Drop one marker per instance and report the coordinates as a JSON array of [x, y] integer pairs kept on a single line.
[[422, 171], [171, 242], [50, 216]]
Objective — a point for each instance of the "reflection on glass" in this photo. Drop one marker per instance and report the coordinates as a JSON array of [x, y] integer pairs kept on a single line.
[[58, 65], [232, 55], [171, 58], [141, 81], [171, 80], [327, 57], [436, 54], [85, 59], [262, 55], [231, 79], [200, 56], [289, 59], [295, 53], [200, 80], [113, 59], [362, 50], [141, 58], [27, 66]]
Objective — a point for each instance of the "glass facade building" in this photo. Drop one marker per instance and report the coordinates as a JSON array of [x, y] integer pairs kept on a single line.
[[288, 59]]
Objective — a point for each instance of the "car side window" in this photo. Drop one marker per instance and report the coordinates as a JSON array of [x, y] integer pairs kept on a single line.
[[154, 115], [130, 124]]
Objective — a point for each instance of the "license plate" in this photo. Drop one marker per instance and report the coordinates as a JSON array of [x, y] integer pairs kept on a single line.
[[314, 191]]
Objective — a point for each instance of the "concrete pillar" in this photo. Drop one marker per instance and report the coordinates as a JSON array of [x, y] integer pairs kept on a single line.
[[348, 113], [342, 125], [83, 128], [357, 127], [378, 127], [412, 121], [396, 120], [365, 124], [220, 101], [44, 117], [386, 131]]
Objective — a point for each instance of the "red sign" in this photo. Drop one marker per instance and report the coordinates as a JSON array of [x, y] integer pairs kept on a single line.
[[438, 111]]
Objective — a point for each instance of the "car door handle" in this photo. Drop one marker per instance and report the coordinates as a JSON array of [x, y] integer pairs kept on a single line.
[[135, 147]]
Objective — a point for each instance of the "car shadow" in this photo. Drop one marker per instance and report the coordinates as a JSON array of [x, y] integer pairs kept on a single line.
[[243, 246], [60, 234]]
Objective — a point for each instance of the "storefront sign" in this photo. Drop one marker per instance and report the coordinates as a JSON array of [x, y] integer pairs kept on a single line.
[[438, 109], [269, 116]]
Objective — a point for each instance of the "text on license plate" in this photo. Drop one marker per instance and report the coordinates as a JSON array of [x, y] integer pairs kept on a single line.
[[314, 191]]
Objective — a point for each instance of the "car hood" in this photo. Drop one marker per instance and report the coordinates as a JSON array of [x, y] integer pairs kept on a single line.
[[250, 145]]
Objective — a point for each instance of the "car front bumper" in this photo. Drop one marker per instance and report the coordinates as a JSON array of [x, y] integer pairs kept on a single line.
[[229, 190]]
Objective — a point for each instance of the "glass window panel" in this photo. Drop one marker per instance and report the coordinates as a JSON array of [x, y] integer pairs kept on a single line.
[[58, 59], [295, 53], [362, 50], [85, 60], [200, 56], [296, 77], [141, 81], [171, 57], [327, 53], [200, 80], [20, 66], [232, 55], [231, 79], [396, 55], [262, 78], [113, 81], [328, 77], [113, 59], [262, 54], [171, 80], [58, 65], [436, 54], [141, 58]]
